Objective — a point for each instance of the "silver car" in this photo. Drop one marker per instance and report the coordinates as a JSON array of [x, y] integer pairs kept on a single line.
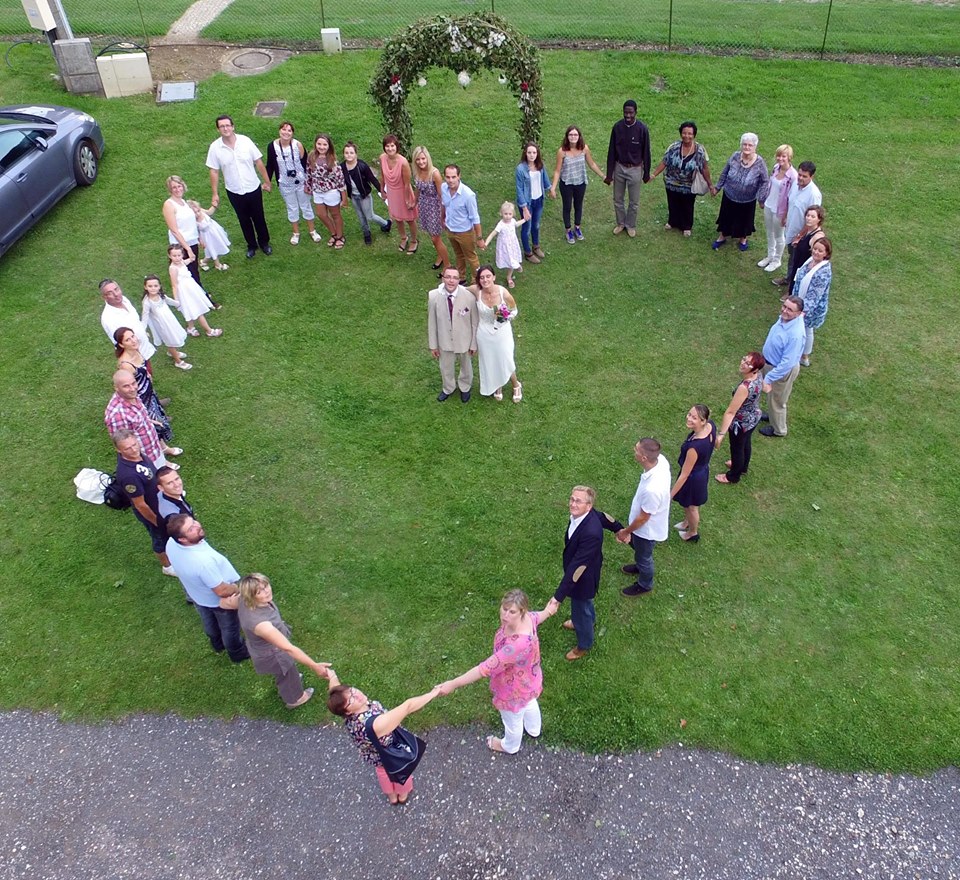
[[45, 151]]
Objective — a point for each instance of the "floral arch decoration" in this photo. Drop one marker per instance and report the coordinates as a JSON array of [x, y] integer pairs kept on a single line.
[[465, 44]]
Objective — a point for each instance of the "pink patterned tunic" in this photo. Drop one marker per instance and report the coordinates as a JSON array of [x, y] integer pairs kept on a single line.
[[514, 668]]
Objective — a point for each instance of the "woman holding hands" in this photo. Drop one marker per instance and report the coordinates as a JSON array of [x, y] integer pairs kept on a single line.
[[364, 718], [742, 416], [268, 640], [690, 488], [573, 157], [516, 679]]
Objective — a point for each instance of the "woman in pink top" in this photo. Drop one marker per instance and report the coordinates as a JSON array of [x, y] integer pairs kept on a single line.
[[516, 679]]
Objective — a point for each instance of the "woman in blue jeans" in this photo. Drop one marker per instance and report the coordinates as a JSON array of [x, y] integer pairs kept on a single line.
[[532, 184]]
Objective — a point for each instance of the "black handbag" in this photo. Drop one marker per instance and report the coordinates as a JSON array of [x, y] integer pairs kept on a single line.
[[400, 758], [113, 494]]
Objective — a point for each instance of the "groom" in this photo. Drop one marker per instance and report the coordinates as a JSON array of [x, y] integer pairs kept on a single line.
[[452, 319]]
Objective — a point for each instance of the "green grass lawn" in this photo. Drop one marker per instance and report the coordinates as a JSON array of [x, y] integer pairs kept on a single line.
[[891, 27], [815, 621]]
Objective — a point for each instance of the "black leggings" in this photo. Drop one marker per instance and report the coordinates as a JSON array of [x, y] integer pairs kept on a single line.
[[741, 447], [572, 193]]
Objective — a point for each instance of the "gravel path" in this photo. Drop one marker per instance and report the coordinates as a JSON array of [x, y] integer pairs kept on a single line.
[[165, 797]]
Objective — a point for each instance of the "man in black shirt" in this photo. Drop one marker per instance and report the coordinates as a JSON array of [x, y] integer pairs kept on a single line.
[[138, 478], [628, 163]]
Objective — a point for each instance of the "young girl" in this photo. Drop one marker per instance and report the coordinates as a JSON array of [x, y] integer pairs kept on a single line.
[[213, 237], [508, 245], [325, 181], [164, 324], [187, 294]]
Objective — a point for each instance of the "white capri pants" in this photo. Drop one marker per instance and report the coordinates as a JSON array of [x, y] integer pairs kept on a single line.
[[515, 723], [776, 234], [297, 202]]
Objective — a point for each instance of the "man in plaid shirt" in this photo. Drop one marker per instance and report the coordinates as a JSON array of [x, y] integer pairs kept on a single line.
[[126, 411]]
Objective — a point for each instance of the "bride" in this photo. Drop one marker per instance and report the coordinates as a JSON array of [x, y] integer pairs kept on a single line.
[[495, 336]]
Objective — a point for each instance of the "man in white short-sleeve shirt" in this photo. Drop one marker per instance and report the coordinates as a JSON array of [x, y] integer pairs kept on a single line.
[[241, 161], [119, 312], [649, 514]]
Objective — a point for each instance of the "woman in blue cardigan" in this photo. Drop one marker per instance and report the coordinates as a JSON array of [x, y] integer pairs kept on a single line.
[[532, 185]]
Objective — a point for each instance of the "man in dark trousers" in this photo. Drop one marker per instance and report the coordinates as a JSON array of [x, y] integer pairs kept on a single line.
[[582, 561]]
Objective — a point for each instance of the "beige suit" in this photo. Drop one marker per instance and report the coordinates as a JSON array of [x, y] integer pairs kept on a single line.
[[453, 337]]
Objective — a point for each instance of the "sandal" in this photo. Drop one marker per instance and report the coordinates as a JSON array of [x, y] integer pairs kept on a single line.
[[437, 265], [510, 283], [182, 365], [316, 236], [494, 744], [498, 394], [686, 233], [192, 331], [223, 267], [517, 393], [331, 241], [402, 246], [173, 450], [205, 265], [728, 464], [339, 244], [214, 331], [721, 478], [413, 250]]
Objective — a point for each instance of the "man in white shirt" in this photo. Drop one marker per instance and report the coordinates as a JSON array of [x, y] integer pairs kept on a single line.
[[241, 161], [649, 514], [119, 312]]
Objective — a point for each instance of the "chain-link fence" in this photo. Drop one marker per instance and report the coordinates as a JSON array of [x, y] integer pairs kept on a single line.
[[907, 31]]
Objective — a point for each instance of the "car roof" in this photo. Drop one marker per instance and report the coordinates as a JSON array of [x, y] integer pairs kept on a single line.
[[47, 113]]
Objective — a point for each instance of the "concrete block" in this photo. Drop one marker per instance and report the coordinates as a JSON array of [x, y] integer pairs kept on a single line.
[[330, 37], [77, 66]]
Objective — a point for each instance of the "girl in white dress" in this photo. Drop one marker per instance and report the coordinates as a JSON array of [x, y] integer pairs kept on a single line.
[[213, 237], [161, 320], [508, 245], [188, 296], [497, 309]]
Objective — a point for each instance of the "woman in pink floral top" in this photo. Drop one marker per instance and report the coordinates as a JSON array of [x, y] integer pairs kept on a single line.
[[516, 679]]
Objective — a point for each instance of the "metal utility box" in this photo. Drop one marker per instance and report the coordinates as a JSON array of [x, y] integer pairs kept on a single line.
[[127, 74]]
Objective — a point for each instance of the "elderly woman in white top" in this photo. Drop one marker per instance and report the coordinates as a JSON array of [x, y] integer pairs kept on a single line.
[[744, 181]]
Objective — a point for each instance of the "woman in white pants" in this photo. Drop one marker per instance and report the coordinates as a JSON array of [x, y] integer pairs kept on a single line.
[[286, 161], [516, 679], [782, 179]]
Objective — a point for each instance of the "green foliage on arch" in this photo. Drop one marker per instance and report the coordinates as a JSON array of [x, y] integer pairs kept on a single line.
[[465, 44]]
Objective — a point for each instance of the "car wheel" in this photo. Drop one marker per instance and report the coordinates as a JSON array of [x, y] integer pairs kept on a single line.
[[85, 162]]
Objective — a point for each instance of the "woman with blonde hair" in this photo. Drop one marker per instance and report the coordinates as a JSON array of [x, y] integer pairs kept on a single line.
[[516, 679], [428, 180], [268, 641]]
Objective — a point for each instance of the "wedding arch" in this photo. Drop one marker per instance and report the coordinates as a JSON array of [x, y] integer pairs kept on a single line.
[[465, 44]]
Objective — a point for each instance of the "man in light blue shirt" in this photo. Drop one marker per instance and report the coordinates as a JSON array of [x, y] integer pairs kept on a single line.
[[782, 352], [208, 577], [461, 219]]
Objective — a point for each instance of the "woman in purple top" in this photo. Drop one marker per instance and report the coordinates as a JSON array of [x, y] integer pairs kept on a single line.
[[516, 679], [744, 181], [356, 709], [742, 416]]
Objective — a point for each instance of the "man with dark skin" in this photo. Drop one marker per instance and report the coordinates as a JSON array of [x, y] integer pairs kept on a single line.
[[628, 163]]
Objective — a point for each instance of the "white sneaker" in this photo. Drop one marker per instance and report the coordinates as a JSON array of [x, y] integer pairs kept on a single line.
[[295, 238], [316, 236], [168, 570], [772, 267], [764, 262]]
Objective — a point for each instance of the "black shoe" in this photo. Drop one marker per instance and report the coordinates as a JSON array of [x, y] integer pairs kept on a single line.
[[442, 396], [767, 431], [436, 266], [386, 229], [464, 396], [267, 249], [251, 253], [630, 569], [367, 239], [764, 417], [635, 590]]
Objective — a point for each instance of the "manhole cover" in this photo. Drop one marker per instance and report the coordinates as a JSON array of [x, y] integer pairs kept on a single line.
[[176, 91], [269, 108], [252, 60]]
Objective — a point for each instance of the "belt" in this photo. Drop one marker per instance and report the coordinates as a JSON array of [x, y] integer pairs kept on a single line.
[[627, 165]]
